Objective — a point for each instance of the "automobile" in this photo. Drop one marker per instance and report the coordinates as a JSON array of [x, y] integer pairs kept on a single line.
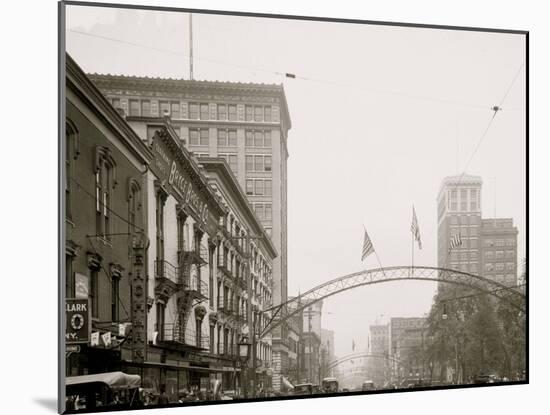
[[485, 378], [345, 390], [114, 389], [303, 389], [413, 383], [368, 385], [329, 385]]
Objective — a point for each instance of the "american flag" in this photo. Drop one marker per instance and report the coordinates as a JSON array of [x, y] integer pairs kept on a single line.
[[456, 241], [415, 229], [367, 246]]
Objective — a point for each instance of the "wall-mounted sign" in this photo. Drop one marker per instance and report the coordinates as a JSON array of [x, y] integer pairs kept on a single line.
[[77, 314], [173, 172]]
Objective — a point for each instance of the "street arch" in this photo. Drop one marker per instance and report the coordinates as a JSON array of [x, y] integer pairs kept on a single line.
[[284, 311]]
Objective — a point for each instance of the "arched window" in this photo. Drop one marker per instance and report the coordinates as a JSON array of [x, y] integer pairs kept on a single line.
[[105, 182], [134, 205], [71, 154]]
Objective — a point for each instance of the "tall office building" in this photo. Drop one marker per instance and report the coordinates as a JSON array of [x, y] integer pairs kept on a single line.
[[488, 246], [459, 212], [247, 125]]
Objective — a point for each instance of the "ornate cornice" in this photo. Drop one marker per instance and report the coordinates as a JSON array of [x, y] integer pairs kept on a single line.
[[93, 261]]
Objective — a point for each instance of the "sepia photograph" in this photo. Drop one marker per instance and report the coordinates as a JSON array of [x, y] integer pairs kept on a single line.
[[266, 207]]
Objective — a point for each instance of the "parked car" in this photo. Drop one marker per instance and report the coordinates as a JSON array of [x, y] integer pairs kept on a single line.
[[486, 378], [368, 385]]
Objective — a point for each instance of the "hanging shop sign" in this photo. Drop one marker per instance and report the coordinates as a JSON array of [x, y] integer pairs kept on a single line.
[[77, 315]]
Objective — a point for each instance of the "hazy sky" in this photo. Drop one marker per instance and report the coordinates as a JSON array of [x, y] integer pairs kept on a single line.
[[379, 116]]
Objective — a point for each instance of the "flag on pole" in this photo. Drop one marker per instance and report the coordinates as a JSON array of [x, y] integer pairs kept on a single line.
[[456, 241], [367, 246], [415, 229]]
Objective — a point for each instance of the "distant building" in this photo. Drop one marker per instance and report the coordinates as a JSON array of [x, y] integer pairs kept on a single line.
[[406, 341], [459, 212], [311, 338], [499, 250], [327, 351], [378, 367]]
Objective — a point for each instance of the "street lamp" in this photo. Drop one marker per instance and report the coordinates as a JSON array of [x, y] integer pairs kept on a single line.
[[244, 355]]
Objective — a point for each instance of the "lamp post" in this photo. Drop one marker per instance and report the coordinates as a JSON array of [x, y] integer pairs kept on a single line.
[[244, 354]]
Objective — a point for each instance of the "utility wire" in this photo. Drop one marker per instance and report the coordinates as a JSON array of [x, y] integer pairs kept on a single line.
[[286, 74], [81, 188]]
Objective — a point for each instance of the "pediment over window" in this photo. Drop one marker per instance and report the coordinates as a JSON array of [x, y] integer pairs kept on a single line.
[[94, 261]]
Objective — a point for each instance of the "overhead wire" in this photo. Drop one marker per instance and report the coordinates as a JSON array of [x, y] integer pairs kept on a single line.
[[287, 74]]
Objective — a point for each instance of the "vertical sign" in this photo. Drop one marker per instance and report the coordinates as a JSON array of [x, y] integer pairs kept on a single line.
[[139, 304], [77, 317]]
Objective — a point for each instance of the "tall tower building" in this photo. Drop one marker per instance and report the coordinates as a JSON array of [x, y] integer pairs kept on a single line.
[[489, 246], [459, 212], [246, 124]]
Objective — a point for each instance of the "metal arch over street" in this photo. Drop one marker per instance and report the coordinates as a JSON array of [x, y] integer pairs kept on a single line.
[[284, 311], [360, 355]]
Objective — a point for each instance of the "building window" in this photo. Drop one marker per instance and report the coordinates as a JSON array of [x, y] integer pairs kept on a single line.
[[259, 210], [145, 108], [204, 112], [454, 220], [222, 112], [489, 266], [69, 277], [258, 138], [193, 111], [510, 266], [164, 108], [115, 284], [473, 243], [489, 242], [248, 114], [249, 163], [116, 103], [499, 266], [222, 138], [258, 113], [267, 113], [193, 137], [259, 163], [267, 138], [204, 139], [510, 242], [473, 268], [259, 187], [499, 254], [161, 308], [134, 108], [473, 256], [198, 332], [268, 211], [94, 291], [268, 231], [232, 112], [267, 163], [268, 190], [232, 135], [249, 138], [489, 255], [250, 187], [509, 254], [232, 159], [70, 156], [104, 182], [212, 338], [175, 110], [159, 218], [133, 207]]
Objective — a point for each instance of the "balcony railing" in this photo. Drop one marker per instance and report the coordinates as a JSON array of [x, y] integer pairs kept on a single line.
[[174, 334], [164, 269], [225, 306], [226, 350], [193, 286]]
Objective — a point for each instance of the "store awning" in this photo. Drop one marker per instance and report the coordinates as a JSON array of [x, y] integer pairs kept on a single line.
[[114, 380]]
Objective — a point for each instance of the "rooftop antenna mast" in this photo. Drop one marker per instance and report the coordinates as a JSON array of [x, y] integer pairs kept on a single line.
[[191, 46]]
